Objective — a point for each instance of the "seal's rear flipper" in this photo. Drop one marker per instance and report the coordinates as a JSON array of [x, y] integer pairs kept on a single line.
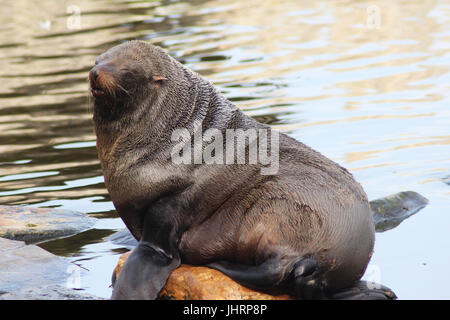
[[273, 272], [260, 277], [364, 290], [306, 285]]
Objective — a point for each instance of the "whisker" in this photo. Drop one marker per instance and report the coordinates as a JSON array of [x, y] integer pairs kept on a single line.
[[124, 90], [110, 85]]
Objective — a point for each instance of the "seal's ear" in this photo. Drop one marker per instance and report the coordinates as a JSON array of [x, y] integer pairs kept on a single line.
[[158, 78]]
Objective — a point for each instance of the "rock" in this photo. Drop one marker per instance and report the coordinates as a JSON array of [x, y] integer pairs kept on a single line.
[[390, 211], [123, 238], [446, 180], [38, 224], [48, 292], [202, 283], [24, 266]]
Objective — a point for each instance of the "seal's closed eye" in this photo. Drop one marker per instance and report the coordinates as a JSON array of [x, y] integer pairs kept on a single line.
[[158, 78]]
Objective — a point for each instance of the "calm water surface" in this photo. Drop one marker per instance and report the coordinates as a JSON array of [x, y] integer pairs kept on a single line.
[[365, 83]]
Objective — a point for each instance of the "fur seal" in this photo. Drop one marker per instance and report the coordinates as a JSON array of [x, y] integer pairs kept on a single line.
[[307, 228]]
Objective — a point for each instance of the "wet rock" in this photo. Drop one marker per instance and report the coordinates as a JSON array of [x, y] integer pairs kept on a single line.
[[390, 211], [48, 292], [202, 283], [23, 266], [38, 224]]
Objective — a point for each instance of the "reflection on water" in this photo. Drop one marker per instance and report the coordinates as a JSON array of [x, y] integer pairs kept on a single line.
[[368, 86]]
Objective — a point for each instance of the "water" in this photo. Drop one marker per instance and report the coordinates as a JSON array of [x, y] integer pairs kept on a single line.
[[367, 86]]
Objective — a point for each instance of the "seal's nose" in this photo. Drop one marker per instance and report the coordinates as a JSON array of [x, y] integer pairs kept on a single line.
[[94, 73], [102, 79], [95, 81], [100, 70], [93, 76]]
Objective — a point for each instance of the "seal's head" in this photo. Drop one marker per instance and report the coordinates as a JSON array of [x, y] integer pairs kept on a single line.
[[125, 77]]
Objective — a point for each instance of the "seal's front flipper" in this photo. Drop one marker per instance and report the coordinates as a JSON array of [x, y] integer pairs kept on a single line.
[[149, 265], [144, 273], [364, 290]]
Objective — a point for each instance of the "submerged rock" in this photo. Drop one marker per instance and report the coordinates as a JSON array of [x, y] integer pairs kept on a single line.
[[390, 211], [38, 224], [123, 238], [202, 283], [48, 292], [23, 266], [446, 180]]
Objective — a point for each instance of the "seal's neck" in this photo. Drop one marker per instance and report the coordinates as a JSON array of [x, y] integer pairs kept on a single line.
[[108, 135]]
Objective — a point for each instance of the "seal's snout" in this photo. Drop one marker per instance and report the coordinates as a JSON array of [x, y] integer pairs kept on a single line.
[[102, 81], [93, 75]]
